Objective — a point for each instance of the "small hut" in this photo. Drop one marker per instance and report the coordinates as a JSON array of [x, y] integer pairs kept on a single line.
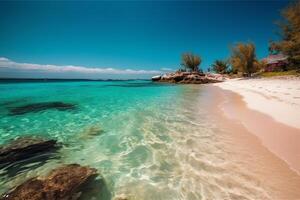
[[276, 62]]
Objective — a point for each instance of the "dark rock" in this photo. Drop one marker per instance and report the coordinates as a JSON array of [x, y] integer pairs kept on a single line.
[[37, 107], [24, 166], [24, 148], [178, 78], [187, 78], [156, 78], [95, 189], [91, 132], [63, 183]]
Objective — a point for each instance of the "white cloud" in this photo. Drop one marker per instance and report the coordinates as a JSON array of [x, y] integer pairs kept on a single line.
[[6, 63], [3, 59]]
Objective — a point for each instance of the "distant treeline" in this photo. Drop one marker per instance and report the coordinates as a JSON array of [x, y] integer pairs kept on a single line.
[[243, 57]]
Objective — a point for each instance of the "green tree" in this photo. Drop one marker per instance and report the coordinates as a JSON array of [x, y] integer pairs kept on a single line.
[[220, 66], [191, 61], [243, 58], [290, 34]]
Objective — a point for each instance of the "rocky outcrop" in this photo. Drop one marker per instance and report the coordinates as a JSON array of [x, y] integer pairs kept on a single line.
[[37, 107], [156, 78], [186, 78], [24, 148], [63, 183]]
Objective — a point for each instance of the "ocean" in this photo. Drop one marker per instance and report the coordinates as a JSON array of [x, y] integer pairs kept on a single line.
[[146, 140]]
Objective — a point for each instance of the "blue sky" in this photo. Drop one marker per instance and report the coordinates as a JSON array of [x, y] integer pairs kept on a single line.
[[134, 39]]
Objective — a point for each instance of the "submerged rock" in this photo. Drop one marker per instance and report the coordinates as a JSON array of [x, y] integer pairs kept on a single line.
[[24, 148], [37, 107], [90, 132], [63, 183]]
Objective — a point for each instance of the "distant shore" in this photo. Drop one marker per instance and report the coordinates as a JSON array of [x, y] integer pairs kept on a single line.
[[188, 78]]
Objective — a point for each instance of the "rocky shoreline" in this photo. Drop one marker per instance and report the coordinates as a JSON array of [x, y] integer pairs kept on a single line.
[[188, 78], [64, 182]]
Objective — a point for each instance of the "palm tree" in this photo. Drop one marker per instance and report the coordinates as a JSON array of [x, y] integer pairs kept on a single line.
[[220, 66], [243, 58], [191, 61]]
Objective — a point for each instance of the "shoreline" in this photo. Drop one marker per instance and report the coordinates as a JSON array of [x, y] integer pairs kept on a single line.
[[169, 146], [277, 98], [266, 163], [278, 137]]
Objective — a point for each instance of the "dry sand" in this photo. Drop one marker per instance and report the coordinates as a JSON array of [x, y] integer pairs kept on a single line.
[[278, 98], [270, 109], [272, 174]]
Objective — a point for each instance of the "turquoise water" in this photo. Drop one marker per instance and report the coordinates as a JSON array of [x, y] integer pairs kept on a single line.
[[119, 128], [109, 105], [147, 140]]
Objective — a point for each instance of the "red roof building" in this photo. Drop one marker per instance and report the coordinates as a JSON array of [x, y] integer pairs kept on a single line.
[[275, 62]]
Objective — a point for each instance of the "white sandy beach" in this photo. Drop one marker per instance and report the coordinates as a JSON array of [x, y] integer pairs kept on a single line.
[[270, 109], [278, 98]]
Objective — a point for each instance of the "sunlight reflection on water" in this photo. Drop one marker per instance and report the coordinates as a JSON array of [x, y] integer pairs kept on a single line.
[[147, 142]]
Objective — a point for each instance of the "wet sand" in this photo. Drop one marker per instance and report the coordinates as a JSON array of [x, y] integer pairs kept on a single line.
[[268, 149]]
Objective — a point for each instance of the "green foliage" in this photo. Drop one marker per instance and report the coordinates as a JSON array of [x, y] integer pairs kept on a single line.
[[191, 61], [285, 73], [243, 58], [220, 67], [290, 33]]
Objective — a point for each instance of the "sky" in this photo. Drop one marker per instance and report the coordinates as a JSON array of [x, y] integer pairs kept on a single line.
[[126, 39]]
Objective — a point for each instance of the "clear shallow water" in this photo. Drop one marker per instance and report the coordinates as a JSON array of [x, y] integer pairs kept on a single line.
[[147, 140]]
